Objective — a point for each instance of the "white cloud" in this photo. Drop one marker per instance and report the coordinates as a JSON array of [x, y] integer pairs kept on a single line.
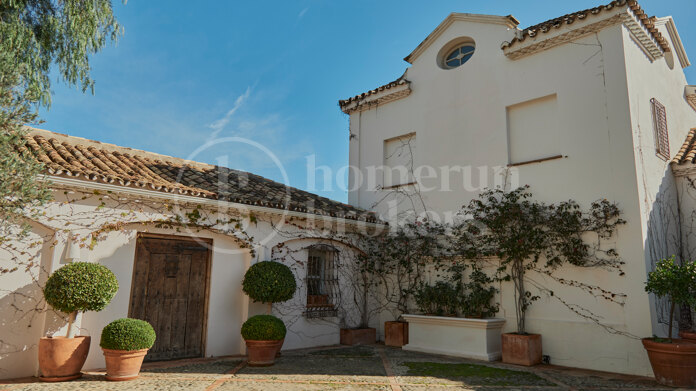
[[302, 13], [221, 123]]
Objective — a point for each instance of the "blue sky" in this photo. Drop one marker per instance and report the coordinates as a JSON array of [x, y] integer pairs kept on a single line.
[[268, 71]]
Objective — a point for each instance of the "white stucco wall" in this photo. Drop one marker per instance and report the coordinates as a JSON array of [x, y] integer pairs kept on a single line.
[[228, 306], [603, 88]]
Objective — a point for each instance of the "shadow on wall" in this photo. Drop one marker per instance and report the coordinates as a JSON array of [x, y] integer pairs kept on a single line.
[[664, 238]]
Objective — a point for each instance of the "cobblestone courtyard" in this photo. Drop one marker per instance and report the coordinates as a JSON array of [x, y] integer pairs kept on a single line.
[[363, 368]]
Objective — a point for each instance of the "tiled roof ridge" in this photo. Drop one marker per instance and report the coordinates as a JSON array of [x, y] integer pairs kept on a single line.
[[687, 152], [546, 26]]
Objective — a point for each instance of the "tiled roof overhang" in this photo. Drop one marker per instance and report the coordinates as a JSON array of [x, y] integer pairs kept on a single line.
[[569, 27], [93, 162], [397, 89]]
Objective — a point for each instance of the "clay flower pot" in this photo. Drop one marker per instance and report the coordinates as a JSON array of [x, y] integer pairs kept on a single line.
[[262, 353], [688, 335], [366, 336], [396, 333], [123, 364], [62, 358], [521, 349], [674, 364], [280, 346]]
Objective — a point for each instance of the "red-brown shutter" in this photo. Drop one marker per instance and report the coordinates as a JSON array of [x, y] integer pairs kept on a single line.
[[661, 133]]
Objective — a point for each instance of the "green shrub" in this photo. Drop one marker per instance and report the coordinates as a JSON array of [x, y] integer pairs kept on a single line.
[[269, 282], [675, 282], [441, 299], [80, 286], [127, 334], [263, 328], [478, 300]]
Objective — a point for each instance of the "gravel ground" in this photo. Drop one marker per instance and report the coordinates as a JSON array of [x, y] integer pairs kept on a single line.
[[361, 368]]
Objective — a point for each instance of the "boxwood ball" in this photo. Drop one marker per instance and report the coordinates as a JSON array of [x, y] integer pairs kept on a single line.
[[80, 286], [269, 282]]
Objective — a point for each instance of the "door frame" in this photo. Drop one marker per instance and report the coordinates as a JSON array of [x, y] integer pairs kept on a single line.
[[206, 293]]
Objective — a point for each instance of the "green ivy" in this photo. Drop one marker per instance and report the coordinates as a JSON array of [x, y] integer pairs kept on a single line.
[[674, 281], [80, 286], [269, 282], [127, 334], [263, 328]]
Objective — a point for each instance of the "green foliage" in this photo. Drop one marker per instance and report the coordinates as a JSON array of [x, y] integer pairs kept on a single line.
[[269, 282], [397, 261], [263, 328], [127, 334], [525, 235], [20, 191], [675, 282], [39, 33], [80, 286], [441, 299], [473, 299]]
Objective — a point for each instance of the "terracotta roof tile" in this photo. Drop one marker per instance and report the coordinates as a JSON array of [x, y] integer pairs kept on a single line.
[[88, 160], [398, 82], [687, 152], [545, 27]]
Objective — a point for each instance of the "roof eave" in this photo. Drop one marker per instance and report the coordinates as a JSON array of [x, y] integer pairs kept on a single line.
[[153, 194], [677, 43]]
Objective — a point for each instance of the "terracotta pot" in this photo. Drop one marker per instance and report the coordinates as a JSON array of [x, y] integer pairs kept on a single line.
[[521, 349], [688, 335], [61, 358], [364, 336], [262, 353], [123, 364], [396, 333], [674, 364], [280, 346]]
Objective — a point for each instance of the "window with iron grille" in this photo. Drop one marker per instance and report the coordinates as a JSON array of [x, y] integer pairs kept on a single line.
[[660, 125], [322, 281]]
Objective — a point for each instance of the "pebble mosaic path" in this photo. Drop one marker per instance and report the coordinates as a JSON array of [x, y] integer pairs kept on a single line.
[[361, 368]]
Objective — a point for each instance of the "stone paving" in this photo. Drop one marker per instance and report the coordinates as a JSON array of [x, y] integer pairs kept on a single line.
[[362, 368]]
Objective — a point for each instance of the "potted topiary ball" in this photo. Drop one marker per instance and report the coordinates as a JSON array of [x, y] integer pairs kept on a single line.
[[673, 360], [74, 288], [125, 343], [269, 282], [263, 334]]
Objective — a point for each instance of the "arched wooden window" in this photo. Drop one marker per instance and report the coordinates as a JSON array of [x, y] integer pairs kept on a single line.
[[322, 281]]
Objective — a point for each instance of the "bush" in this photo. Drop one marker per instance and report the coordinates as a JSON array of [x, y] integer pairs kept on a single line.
[[80, 286], [127, 334], [269, 282], [675, 282], [441, 299], [478, 301], [263, 328]]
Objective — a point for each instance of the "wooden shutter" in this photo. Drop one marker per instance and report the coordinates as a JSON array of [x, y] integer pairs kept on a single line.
[[660, 125]]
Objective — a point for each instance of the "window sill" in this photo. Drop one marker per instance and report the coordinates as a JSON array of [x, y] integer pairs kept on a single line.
[[397, 186], [545, 159]]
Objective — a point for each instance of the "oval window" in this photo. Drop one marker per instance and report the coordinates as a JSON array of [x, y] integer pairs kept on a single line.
[[459, 56]]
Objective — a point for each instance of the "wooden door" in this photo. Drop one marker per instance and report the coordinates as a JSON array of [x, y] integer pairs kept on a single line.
[[170, 285]]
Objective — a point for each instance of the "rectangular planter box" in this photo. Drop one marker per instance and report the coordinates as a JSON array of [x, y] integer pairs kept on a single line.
[[395, 333], [358, 336], [462, 337], [522, 349]]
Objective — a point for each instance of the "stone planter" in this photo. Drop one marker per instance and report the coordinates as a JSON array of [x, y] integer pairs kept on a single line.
[[462, 337], [364, 336], [522, 349], [123, 364], [674, 364], [395, 333], [61, 358]]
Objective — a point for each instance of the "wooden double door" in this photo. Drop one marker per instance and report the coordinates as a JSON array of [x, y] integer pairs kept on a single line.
[[170, 290]]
